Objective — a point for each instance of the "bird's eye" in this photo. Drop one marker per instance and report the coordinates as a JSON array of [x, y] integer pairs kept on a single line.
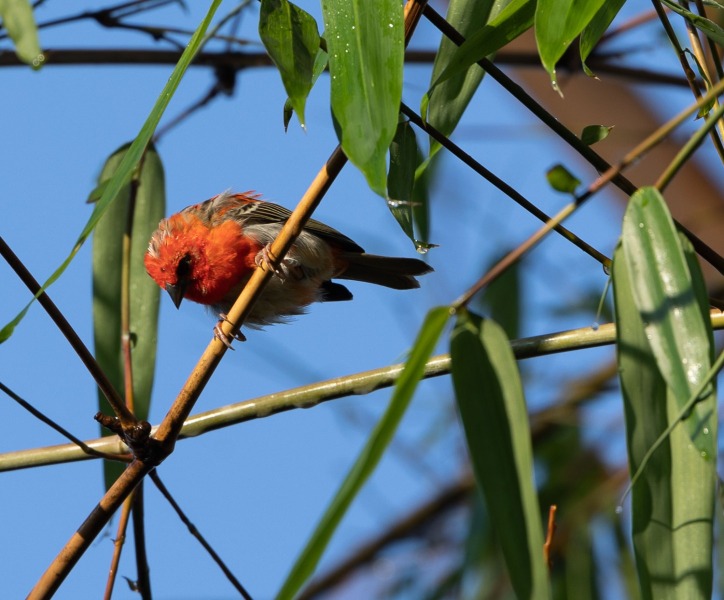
[[183, 270]]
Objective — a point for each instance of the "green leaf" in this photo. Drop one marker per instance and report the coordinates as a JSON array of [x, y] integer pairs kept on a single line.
[[557, 23], [320, 64], [17, 19], [670, 305], [596, 28], [673, 500], [143, 293], [291, 38], [407, 196], [452, 97], [366, 43], [371, 454], [708, 27], [562, 180], [494, 414], [592, 134], [515, 19], [125, 170]]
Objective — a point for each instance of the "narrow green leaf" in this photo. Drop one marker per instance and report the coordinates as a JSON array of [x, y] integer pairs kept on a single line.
[[593, 134], [125, 170], [452, 97], [515, 19], [143, 296], [403, 162], [407, 196], [670, 306], [17, 19], [673, 500], [371, 454], [708, 27], [291, 38], [366, 43], [557, 24], [320, 64], [596, 28], [424, 175], [494, 414], [562, 180]]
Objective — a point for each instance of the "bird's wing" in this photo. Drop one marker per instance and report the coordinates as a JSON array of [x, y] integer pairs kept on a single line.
[[259, 212]]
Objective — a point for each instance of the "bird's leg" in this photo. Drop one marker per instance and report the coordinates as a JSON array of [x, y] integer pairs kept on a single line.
[[222, 337], [289, 266]]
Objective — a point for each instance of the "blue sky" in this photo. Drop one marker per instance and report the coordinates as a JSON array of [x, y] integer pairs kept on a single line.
[[255, 490]]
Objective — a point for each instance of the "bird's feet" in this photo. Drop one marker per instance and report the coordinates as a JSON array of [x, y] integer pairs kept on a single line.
[[224, 338], [265, 259]]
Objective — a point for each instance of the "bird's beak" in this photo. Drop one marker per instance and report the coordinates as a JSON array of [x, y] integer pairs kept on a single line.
[[176, 292]]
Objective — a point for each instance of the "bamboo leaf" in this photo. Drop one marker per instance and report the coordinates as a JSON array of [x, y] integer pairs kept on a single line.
[[670, 305], [452, 96], [365, 42], [512, 21], [291, 38], [143, 294], [592, 33], [125, 170], [494, 414], [371, 454], [407, 196], [18, 20], [593, 134], [708, 27], [562, 180], [557, 24], [320, 64], [673, 500]]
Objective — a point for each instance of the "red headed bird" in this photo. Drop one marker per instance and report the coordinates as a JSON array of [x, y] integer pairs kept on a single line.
[[208, 251]]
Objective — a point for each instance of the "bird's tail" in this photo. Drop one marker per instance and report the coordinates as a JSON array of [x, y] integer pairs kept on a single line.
[[396, 273]]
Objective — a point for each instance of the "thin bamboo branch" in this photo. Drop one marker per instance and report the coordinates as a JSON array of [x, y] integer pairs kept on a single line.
[[501, 185], [118, 544], [318, 393], [56, 573], [61, 430], [143, 572], [114, 399], [239, 61], [193, 530]]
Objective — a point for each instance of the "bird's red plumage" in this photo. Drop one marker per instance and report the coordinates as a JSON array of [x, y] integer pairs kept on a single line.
[[208, 251], [221, 257]]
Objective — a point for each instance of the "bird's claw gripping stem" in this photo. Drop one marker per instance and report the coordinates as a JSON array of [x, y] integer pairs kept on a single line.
[[289, 267], [265, 260], [222, 337]]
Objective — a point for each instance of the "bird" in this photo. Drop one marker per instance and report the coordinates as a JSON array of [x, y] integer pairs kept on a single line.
[[207, 252]]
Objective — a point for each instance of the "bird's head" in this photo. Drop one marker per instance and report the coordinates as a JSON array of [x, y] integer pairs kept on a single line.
[[191, 260]]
